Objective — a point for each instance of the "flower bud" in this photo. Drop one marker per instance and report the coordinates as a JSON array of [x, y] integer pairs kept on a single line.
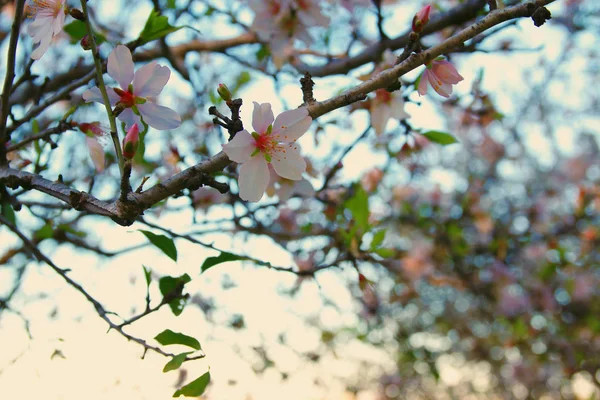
[[77, 14], [224, 92], [131, 142], [85, 43], [421, 19]]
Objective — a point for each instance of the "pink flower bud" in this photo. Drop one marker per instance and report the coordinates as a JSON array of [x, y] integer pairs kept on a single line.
[[421, 19], [224, 92], [131, 141]]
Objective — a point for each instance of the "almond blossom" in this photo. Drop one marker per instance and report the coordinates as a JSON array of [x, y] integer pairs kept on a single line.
[[441, 75], [286, 188], [96, 140], [138, 91], [49, 19], [384, 106], [272, 142]]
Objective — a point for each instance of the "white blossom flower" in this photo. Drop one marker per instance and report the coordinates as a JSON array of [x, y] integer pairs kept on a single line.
[[49, 19], [138, 91], [271, 143]]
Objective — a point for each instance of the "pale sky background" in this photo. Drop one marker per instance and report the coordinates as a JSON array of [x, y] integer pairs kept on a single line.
[[95, 365]]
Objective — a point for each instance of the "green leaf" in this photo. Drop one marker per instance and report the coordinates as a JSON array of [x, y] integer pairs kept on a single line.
[[172, 290], [164, 243], [377, 239], [195, 388], [359, 207], [385, 253], [35, 126], [8, 212], [147, 275], [442, 138], [176, 362], [221, 258], [45, 232], [157, 26], [168, 337], [77, 30]]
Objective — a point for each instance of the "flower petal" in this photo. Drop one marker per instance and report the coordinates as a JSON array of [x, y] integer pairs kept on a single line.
[[42, 47], [288, 163], [262, 117], [94, 94], [130, 118], [120, 66], [437, 85], [96, 152], [397, 107], [58, 23], [423, 83], [290, 125], [241, 147], [380, 115], [254, 178], [159, 117], [150, 79]]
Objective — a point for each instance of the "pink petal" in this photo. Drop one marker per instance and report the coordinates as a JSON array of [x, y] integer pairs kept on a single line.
[[120, 66], [159, 117], [380, 115], [290, 125], [397, 107], [241, 147], [288, 163], [59, 22], [439, 86], [94, 94], [446, 72], [423, 83], [42, 48], [262, 117], [150, 79], [96, 153], [254, 178], [129, 118]]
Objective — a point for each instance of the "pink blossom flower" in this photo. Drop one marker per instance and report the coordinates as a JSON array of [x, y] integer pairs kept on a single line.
[[270, 143], [49, 18], [138, 98], [286, 188], [421, 18], [441, 74], [384, 106], [131, 142]]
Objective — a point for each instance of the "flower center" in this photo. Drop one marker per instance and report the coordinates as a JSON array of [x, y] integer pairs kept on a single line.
[[127, 98], [45, 7], [275, 7], [383, 95]]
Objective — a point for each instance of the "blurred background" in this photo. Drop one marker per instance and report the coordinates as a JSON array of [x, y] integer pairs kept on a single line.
[[411, 270]]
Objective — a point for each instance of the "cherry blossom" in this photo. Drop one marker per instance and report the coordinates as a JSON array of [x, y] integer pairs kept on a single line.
[[131, 142], [384, 106], [138, 91], [441, 74], [49, 19], [421, 18], [286, 188], [271, 143]]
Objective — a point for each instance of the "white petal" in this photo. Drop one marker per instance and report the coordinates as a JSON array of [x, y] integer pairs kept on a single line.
[[150, 79], [130, 118], [241, 147], [293, 132], [288, 118], [94, 94], [159, 117], [262, 117], [59, 22], [397, 107], [288, 163], [254, 178], [42, 47], [96, 153], [380, 115], [120, 66]]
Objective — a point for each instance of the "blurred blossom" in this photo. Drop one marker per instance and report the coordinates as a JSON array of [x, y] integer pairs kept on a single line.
[[285, 189], [584, 287], [371, 179], [441, 75], [96, 140], [417, 263], [512, 301], [205, 197], [48, 20]]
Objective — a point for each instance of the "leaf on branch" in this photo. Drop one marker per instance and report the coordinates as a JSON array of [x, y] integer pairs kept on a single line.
[[195, 388], [176, 361], [221, 258], [378, 238], [358, 205], [172, 290], [147, 275], [157, 26], [168, 337], [8, 212], [442, 138], [166, 244], [77, 30]]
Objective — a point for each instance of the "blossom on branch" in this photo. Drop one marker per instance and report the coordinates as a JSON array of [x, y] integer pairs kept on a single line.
[[421, 18], [96, 138], [441, 74], [384, 106], [138, 91], [272, 142], [49, 19]]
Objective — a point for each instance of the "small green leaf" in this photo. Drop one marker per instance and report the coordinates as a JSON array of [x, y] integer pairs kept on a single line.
[[35, 126], [359, 207], [147, 275], [385, 253], [172, 290], [442, 138], [157, 26], [76, 30], [168, 337], [164, 243], [45, 232], [176, 362], [8, 212], [377, 239], [195, 388], [221, 258]]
